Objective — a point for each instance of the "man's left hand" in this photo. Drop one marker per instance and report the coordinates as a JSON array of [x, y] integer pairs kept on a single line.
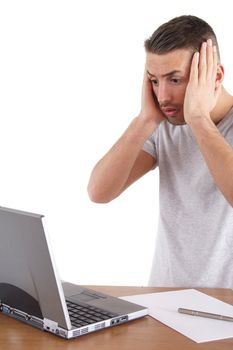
[[203, 89]]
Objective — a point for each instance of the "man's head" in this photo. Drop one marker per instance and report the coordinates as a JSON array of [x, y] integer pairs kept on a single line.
[[169, 53], [184, 32]]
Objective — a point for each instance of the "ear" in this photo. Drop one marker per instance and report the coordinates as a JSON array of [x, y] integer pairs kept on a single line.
[[219, 76]]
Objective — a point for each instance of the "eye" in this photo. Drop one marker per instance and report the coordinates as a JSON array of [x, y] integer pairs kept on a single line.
[[155, 82], [175, 81]]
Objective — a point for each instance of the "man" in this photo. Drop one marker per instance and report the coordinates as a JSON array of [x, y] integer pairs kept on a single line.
[[185, 126]]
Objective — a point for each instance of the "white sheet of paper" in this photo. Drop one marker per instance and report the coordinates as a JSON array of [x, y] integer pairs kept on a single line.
[[163, 307]]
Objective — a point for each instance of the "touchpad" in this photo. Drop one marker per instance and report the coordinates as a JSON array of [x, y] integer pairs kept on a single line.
[[86, 296]]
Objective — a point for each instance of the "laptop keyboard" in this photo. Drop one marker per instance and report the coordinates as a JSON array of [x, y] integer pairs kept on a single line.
[[83, 315]]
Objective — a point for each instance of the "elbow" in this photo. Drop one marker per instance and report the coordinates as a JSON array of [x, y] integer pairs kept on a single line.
[[97, 196], [229, 198], [231, 201]]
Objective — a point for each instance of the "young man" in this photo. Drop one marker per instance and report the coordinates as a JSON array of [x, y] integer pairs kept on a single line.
[[185, 127]]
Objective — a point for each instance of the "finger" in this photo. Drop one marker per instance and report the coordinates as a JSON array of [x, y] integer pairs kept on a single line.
[[147, 89], [145, 75], [202, 62], [215, 62], [193, 76], [146, 81], [210, 69]]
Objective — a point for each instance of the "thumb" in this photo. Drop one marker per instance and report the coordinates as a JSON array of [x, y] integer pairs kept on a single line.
[[218, 89]]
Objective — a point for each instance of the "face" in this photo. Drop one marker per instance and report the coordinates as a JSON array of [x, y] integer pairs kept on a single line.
[[169, 74]]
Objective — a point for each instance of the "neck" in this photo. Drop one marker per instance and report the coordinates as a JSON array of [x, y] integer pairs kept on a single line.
[[224, 104]]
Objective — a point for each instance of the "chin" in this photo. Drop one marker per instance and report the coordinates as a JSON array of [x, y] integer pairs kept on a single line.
[[176, 121]]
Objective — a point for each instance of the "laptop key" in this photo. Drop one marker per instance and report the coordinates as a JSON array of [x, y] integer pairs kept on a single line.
[[97, 319], [80, 314]]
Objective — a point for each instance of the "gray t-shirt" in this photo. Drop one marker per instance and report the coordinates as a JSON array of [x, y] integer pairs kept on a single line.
[[194, 245]]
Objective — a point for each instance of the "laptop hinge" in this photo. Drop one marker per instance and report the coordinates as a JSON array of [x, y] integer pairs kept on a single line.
[[50, 325]]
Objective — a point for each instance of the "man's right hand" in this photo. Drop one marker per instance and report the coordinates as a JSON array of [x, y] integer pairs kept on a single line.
[[126, 161], [150, 111]]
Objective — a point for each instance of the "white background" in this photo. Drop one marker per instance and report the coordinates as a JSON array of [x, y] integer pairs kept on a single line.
[[70, 83]]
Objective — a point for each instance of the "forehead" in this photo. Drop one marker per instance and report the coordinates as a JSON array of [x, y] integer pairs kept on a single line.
[[177, 60]]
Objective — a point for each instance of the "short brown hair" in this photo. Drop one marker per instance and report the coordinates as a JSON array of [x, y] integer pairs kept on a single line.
[[186, 32]]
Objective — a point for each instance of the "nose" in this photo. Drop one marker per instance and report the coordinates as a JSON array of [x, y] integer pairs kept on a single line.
[[163, 94]]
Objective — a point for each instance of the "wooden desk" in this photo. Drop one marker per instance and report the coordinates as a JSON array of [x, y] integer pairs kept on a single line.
[[141, 334]]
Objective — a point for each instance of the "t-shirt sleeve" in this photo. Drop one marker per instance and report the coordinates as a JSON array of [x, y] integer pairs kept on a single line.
[[150, 146]]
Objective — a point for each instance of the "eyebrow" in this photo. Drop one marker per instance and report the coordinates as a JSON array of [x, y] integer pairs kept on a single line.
[[167, 74]]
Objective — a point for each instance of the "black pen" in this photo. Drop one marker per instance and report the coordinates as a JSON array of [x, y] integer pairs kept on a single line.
[[205, 314]]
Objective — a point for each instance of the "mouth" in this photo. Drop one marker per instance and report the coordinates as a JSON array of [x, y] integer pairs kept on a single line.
[[170, 111], [173, 114]]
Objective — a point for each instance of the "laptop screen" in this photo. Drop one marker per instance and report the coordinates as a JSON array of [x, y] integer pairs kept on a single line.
[[28, 277]]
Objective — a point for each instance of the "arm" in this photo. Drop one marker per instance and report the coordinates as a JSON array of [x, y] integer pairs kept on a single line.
[[218, 155], [122, 165], [202, 94], [126, 161]]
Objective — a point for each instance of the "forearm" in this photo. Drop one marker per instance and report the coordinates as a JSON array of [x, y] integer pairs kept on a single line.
[[110, 174], [217, 153]]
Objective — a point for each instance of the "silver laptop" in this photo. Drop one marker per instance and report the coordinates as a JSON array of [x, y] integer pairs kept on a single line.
[[31, 291]]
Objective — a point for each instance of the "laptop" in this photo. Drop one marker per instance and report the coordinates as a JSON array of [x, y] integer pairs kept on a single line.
[[31, 291]]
